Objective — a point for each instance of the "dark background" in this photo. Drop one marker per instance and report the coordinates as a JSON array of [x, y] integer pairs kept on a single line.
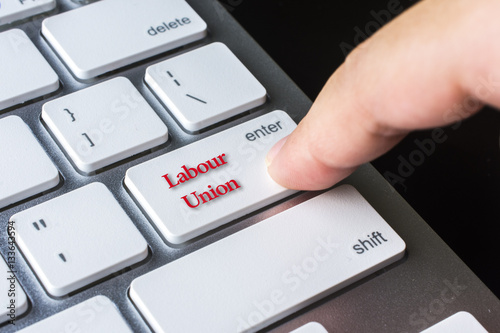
[[457, 188]]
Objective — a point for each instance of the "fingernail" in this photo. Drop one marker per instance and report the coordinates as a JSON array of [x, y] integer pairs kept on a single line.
[[274, 151]]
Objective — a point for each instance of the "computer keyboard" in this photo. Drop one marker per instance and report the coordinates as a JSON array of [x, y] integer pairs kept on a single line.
[[134, 193]]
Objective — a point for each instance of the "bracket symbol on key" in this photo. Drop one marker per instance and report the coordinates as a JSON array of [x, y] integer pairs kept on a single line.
[[88, 138], [71, 114]]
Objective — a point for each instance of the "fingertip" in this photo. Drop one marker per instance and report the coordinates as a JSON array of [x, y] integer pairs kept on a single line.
[[276, 169], [291, 165], [274, 151]]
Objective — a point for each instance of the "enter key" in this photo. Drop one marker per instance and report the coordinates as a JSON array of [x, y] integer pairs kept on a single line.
[[204, 185]]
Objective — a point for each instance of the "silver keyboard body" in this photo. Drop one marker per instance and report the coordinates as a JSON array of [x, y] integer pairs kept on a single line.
[[400, 298]]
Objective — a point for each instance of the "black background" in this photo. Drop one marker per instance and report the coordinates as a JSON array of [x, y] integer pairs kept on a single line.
[[457, 188]]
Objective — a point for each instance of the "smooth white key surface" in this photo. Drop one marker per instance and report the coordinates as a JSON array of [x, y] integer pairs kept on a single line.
[[25, 168], [259, 275], [13, 300], [108, 41], [459, 322], [246, 186], [312, 327], [24, 72], [205, 86], [78, 238], [104, 124], [13, 10], [95, 315]]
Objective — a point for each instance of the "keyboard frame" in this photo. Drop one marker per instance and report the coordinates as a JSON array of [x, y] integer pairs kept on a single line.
[[387, 300]]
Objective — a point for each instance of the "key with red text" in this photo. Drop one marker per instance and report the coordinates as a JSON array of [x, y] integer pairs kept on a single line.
[[202, 186]]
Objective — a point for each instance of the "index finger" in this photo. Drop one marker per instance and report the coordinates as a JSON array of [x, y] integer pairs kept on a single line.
[[407, 76]]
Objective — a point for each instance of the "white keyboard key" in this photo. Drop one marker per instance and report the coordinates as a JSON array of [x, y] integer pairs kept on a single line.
[[95, 315], [78, 238], [202, 186], [24, 72], [13, 10], [13, 300], [459, 322], [25, 168], [205, 86], [312, 327], [115, 33], [259, 275], [104, 124]]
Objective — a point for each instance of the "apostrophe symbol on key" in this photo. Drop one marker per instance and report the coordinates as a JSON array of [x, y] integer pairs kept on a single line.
[[63, 258], [178, 84], [71, 114], [196, 99], [41, 224]]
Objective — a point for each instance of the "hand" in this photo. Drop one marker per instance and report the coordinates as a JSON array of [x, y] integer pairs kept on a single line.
[[433, 65]]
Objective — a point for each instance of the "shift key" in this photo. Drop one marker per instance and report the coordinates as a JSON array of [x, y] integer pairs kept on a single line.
[[206, 184], [111, 34], [270, 270]]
